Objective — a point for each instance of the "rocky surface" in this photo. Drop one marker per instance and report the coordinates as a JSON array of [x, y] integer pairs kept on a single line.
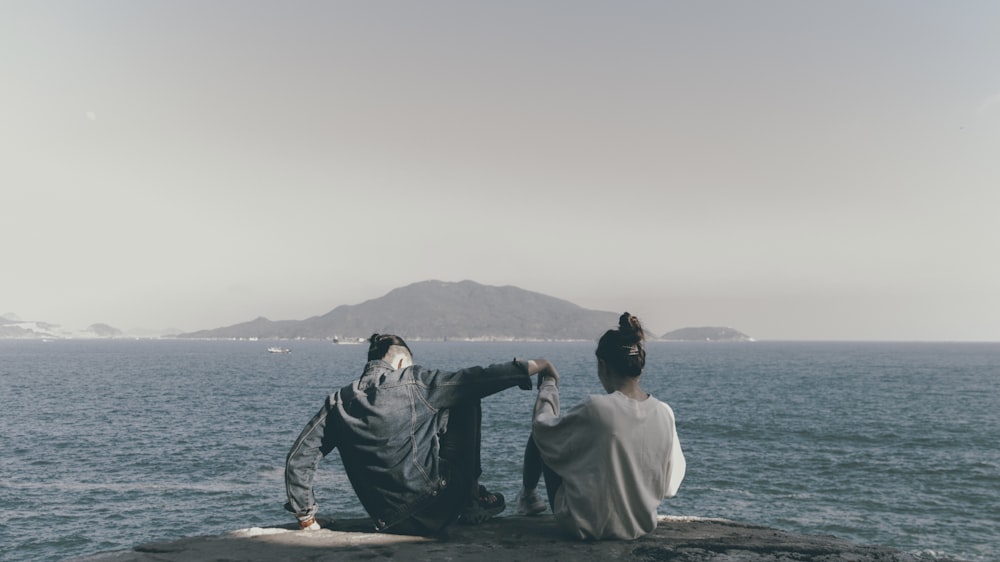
[[510, 539]]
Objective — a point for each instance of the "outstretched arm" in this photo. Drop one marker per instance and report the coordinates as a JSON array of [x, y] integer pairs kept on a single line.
[[446, 389], [314, 443]]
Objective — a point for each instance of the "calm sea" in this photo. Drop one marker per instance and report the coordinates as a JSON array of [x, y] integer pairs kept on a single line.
[[108, 444]]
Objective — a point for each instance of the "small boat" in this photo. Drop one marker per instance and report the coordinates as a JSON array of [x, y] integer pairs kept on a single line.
[[349, 341], [278, 350]]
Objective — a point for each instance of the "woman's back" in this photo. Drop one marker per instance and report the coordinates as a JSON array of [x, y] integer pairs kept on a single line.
[[618, 458]]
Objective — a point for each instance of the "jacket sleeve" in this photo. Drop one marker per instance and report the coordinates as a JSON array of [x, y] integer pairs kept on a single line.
[[315, 442], [559, 437], [676, 465], [446, 389]]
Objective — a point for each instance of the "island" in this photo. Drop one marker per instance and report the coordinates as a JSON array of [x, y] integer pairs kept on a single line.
[[707, 334]]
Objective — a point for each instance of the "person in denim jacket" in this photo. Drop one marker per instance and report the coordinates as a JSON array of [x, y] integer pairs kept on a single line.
[[409, 438]]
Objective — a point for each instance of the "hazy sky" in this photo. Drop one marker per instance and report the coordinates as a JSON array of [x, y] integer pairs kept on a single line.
[[795, 170]]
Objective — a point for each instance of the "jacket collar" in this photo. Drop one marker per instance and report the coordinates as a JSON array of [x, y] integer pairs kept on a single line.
[[375, 368]]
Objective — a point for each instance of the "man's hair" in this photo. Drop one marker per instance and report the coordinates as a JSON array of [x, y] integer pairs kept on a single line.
[[623, 350], [379, 346]]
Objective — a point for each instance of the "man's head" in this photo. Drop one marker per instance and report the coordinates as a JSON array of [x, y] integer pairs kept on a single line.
[[391, 349]]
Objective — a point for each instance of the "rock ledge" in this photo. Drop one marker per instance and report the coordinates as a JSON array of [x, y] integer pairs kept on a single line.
[[510, 539]]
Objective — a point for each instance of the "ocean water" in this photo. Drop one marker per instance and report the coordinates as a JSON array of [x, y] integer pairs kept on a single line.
[[108, 444]]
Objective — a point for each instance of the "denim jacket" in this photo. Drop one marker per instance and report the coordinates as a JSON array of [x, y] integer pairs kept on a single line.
[[387, 426]]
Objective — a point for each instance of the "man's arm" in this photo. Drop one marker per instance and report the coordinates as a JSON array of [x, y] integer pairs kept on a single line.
[[445, 389], [315, 442]]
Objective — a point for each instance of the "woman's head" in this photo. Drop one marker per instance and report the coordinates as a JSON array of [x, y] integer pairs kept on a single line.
[[623, 351]]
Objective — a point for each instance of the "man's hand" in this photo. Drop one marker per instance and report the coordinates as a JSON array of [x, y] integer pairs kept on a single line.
[[544, 369]]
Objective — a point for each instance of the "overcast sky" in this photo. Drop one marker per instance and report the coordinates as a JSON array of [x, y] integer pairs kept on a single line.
[[794, 170]]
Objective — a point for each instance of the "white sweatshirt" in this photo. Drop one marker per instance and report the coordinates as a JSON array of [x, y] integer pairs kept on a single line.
[[618, 458]]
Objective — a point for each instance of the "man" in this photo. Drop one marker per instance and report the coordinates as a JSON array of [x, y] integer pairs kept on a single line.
[[409, 439]]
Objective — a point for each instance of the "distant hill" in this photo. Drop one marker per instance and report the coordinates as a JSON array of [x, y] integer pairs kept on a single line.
[[706, 333], [104, 331], [12, 327], [438, 310]]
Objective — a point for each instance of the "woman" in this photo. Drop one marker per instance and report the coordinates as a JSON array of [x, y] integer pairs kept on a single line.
[[609, 461]]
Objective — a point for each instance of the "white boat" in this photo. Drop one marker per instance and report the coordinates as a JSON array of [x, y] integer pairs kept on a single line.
[[348, 341], [274, 349]]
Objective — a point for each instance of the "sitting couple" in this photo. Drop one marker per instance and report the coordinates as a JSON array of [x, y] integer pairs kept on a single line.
[[409, 438]]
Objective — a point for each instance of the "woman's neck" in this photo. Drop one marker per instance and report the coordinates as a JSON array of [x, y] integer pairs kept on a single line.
[[629, 386]]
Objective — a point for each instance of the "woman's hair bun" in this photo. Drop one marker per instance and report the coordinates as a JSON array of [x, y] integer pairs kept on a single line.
[[623, 349], [629, 325]]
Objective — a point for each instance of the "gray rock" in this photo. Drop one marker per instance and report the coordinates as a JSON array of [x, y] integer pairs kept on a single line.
[[510, 539]]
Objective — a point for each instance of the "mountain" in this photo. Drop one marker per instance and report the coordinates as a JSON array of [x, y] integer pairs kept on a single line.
[[12, 327], [706, 333], [437, 310], [104, 331]]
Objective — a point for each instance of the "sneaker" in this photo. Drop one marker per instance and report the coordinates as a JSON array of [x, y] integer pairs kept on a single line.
[[485, 507], [530, 502]]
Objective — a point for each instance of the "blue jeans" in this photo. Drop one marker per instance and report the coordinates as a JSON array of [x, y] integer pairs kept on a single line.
[[534, 468]]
